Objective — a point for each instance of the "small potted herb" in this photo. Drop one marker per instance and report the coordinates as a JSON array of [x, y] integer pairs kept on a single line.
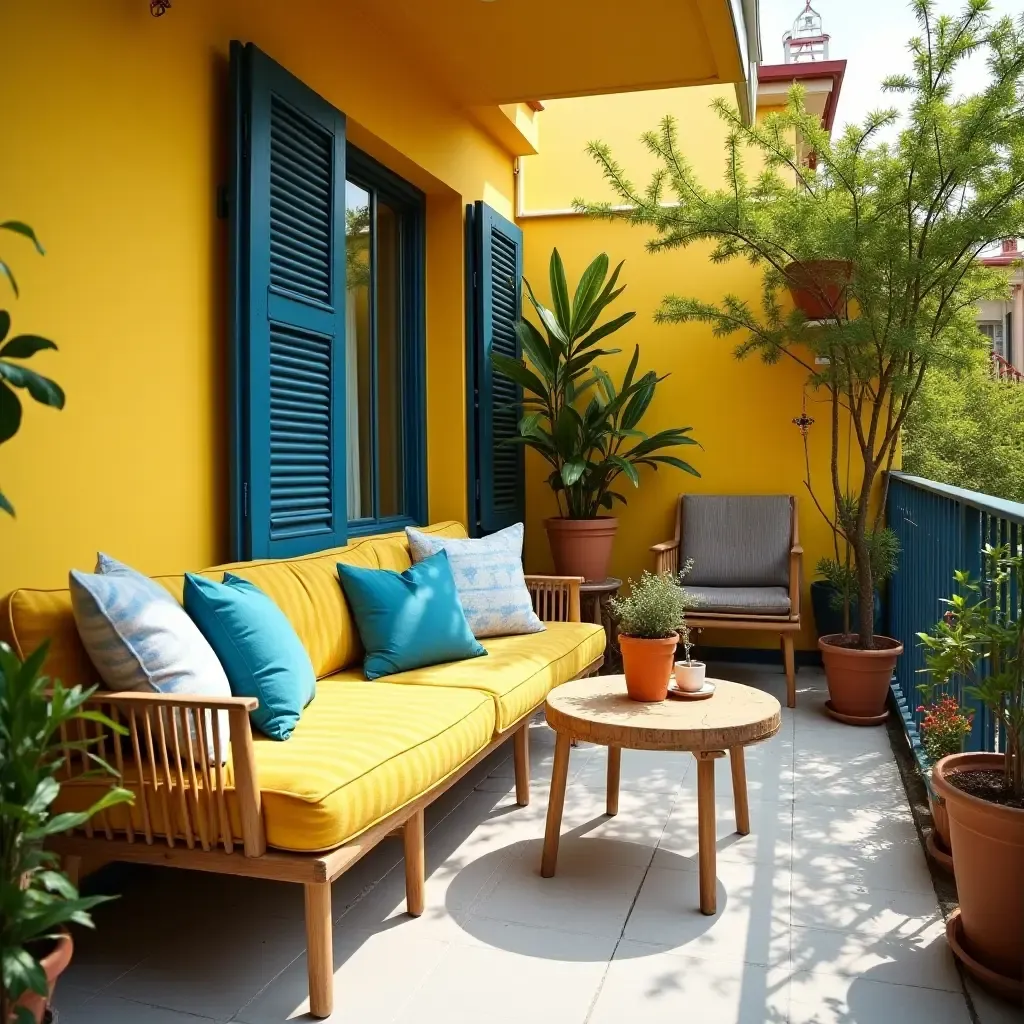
[[943, 728], [649, 622]]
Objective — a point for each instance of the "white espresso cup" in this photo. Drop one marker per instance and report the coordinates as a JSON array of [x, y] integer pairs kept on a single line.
[[690, 677]]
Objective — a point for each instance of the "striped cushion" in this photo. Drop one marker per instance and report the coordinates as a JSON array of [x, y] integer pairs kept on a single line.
[[740, 600], [737, 540], [489, 577]]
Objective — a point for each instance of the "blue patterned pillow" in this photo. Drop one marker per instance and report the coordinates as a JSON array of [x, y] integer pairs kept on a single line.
[[489, 578], [140, 638]]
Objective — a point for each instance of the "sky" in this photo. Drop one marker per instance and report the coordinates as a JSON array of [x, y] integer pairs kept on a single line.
[[872, 36]]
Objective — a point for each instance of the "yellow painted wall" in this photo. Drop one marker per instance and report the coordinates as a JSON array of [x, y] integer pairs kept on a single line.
[[115, 141], [741, 412]]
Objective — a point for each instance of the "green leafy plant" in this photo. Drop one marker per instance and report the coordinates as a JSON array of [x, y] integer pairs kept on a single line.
[[654, 608], [36, 898], [15, 374], [980, 640], [908, 215], [943, 728], [840, 569], [583, 425], [967, 429]]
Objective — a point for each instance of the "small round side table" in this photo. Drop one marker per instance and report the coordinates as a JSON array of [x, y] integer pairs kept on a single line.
[[598, 710], [594, 607]]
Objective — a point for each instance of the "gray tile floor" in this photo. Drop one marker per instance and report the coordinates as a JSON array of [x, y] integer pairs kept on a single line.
[[826, 911]]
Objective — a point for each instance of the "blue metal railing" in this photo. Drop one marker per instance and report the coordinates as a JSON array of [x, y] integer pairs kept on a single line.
[[941, 529]]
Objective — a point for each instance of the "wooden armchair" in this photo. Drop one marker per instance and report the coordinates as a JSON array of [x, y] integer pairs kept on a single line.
[[746, 565]]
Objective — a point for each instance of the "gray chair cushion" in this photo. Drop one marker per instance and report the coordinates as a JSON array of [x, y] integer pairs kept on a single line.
[[740, 600], [737, 540]]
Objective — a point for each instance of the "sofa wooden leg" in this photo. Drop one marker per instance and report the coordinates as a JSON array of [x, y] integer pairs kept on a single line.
[[415, 864], [790, 659], [521, 760], [319, 948], [71, 865]]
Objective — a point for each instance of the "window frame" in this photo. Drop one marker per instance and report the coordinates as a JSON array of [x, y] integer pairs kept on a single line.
[[410, 204]]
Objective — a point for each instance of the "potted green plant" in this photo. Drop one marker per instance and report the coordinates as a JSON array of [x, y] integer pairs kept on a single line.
[[581, 423], [41, 723], [649, 619], [980, 640], [943, 728], [907, 213]]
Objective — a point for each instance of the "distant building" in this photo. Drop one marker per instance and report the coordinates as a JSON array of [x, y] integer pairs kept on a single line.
[[1003, 322]]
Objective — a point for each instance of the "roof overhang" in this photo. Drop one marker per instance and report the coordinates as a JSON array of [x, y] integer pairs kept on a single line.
[[500, 52], [822, 82]]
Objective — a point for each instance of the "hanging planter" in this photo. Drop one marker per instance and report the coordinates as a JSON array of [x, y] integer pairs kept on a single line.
[[819, 287]]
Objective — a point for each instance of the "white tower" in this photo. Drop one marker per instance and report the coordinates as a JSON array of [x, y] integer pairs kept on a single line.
[[806, 42]]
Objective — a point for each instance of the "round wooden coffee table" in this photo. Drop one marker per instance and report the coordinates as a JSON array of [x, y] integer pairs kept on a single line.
[[598, 710]]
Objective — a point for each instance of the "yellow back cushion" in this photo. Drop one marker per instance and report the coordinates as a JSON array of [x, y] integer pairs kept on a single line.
[[306, 589]]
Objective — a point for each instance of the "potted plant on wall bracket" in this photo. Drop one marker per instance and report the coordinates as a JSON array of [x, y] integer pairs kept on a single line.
[[980, 640], [581, 423], [908, 214], [649, 618]]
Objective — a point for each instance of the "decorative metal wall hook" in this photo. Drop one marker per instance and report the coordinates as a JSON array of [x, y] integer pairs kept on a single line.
[[803, 422], [158, 8]]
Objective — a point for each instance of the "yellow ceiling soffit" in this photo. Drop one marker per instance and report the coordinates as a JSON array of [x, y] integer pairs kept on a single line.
[[514, 126]]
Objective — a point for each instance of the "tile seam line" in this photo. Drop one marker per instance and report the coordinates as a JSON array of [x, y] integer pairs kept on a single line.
[[625, 924]]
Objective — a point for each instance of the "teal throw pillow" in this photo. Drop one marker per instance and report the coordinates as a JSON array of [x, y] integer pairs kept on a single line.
[[410, 619], [260, 651]]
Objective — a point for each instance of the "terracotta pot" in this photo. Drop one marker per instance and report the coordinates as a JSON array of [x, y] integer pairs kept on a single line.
[[940, 818], [648, 665], [858, 681], [582, 547], [988, 850], [54, 964], [818, 287]]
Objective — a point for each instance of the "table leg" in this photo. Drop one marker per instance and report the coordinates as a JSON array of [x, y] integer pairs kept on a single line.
[[706, 831], [556, 801], [739, 790], [614, 765]]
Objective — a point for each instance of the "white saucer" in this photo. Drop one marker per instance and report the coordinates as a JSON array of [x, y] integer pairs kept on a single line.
[[704, 692]]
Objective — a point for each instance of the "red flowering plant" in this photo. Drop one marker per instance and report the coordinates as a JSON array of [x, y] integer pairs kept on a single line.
[[944, 727]]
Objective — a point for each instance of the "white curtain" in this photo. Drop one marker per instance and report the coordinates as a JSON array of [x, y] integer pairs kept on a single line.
[[352, 468]]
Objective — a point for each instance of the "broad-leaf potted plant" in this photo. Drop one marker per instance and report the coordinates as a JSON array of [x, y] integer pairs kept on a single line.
[[581, 423], [909, 213], [40, 725], [943, 729], [980, 640], [649, 619]]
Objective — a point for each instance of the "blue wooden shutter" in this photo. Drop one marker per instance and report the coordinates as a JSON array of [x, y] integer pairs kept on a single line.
[[500, 468], [288, 313]]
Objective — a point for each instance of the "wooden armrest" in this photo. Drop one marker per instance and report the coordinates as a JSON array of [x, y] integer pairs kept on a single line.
[[170, 738], [796, 550], [555, 598], [133, 698], [665, 545], [796, 554]]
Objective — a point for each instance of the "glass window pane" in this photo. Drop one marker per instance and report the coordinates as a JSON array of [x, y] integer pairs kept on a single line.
[[389, 362], [358, 353]]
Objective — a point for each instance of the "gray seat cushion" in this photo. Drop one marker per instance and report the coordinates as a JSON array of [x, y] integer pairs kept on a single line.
[[740, 600], [737, 540]]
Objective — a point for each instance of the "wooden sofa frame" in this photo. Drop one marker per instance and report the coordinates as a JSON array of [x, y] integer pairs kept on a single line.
[[666, 559], [173, 781]]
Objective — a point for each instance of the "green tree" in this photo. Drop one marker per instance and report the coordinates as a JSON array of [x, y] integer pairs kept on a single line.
[[967, 429], [908, 216]]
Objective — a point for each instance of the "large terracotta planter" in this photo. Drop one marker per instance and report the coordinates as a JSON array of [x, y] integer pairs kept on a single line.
[[818, 287], [987, 840], [858, 681], [937, 843], [54, 964], [582, 547], [648, 666]]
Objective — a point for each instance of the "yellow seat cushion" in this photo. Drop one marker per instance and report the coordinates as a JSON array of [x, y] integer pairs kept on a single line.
[[518, 671], [360, 751]]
